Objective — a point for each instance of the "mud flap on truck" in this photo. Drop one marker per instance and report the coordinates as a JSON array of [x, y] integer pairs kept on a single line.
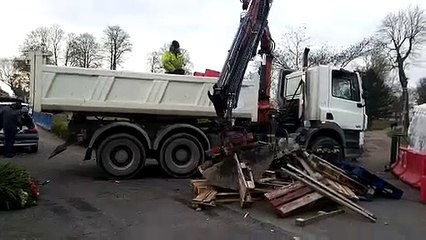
[[74, 138], [88, 154], [59, 149]]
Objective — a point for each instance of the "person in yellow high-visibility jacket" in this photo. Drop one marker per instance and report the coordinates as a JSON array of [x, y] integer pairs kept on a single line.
[[173, 60]]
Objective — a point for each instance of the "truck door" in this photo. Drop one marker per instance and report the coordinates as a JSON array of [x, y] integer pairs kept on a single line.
[[346, 105]]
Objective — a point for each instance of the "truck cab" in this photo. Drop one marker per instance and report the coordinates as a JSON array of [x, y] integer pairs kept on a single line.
[[324, 105]]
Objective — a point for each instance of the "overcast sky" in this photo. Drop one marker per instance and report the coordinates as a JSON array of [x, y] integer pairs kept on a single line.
[[205, 27]]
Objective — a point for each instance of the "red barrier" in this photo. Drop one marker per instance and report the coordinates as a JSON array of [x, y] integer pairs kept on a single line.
[[208, 73], [423, 190], [415, 167], [399, 167]]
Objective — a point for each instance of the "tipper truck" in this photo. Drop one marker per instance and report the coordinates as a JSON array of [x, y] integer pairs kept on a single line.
[[124, 118]]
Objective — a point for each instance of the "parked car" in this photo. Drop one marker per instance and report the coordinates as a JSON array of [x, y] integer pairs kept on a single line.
[[27, 136]]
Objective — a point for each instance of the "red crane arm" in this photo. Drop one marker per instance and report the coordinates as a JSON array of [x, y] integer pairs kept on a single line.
[[250, 33], [267, 46]]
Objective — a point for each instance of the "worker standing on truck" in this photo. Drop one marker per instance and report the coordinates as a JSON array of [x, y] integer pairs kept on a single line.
[[173, 60], [11, 117]]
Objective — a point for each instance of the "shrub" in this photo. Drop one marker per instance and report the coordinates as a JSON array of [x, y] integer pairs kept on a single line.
[[17, 188], [60, 126]]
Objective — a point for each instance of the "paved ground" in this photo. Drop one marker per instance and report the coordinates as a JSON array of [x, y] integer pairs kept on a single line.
[[80, 203]]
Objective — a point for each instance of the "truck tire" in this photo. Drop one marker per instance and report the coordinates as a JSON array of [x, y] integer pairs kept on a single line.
[[121, 155], [180, 155], [324, 146]]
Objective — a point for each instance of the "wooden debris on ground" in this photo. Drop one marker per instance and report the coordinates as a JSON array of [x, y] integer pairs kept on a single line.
[[326, 191], [336, 174], [245, 180], [206, 195], [342, 189], [290, 188], [291, 198]]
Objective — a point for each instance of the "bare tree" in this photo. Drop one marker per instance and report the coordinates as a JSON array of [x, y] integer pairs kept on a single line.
[[155, 65], [354, 51], [402, 34], [322, 56], [84, 52], [154, 62], [37, 39], [45, 39], [188, 63], [6, 69], [116, 44], [380, 97], [290, 50], [68, 47], [15, 73], [56, 35]]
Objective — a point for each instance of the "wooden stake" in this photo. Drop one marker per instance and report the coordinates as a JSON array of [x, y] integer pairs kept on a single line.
[[321, 215]]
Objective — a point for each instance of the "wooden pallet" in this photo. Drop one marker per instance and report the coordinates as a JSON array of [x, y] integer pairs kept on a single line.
[[208, 195], [291, 198], [298, 195]]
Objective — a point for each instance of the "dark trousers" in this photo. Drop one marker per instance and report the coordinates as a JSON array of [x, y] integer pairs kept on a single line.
[[9, 141]]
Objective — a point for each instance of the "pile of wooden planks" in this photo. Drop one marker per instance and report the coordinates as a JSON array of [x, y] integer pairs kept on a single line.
[[316, 179], [297, 195], [301, 181]]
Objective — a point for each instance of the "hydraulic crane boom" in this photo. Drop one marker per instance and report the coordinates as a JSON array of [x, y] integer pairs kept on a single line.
[[253, 27]]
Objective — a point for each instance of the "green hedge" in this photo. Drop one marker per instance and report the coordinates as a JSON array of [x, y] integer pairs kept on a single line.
[[378, 124], [399, 131], [60, 126]]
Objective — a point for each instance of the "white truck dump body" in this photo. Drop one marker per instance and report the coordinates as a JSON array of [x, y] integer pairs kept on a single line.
[[70, 89]]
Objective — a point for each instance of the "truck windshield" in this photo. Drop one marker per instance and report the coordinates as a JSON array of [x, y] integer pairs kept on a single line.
[[345, 85]]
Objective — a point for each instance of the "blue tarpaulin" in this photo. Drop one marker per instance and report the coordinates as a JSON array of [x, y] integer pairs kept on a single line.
[[44, 120]]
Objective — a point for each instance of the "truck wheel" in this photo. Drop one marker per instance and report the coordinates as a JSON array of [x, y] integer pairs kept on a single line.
[[121, 155], [327, 148], [180, 155]]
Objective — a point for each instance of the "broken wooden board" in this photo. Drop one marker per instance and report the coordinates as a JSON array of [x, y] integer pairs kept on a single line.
[[280, 192], [208, 195], [284, 199], [308, 168], [269, 184], [336, 174], [344, 190], [291, 198], [286, 209], [201, 185], [326, 191], [205, 198], [301, 222], [245, 181]]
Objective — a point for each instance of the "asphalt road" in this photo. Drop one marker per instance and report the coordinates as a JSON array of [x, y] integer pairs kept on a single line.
[[80, 203]]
